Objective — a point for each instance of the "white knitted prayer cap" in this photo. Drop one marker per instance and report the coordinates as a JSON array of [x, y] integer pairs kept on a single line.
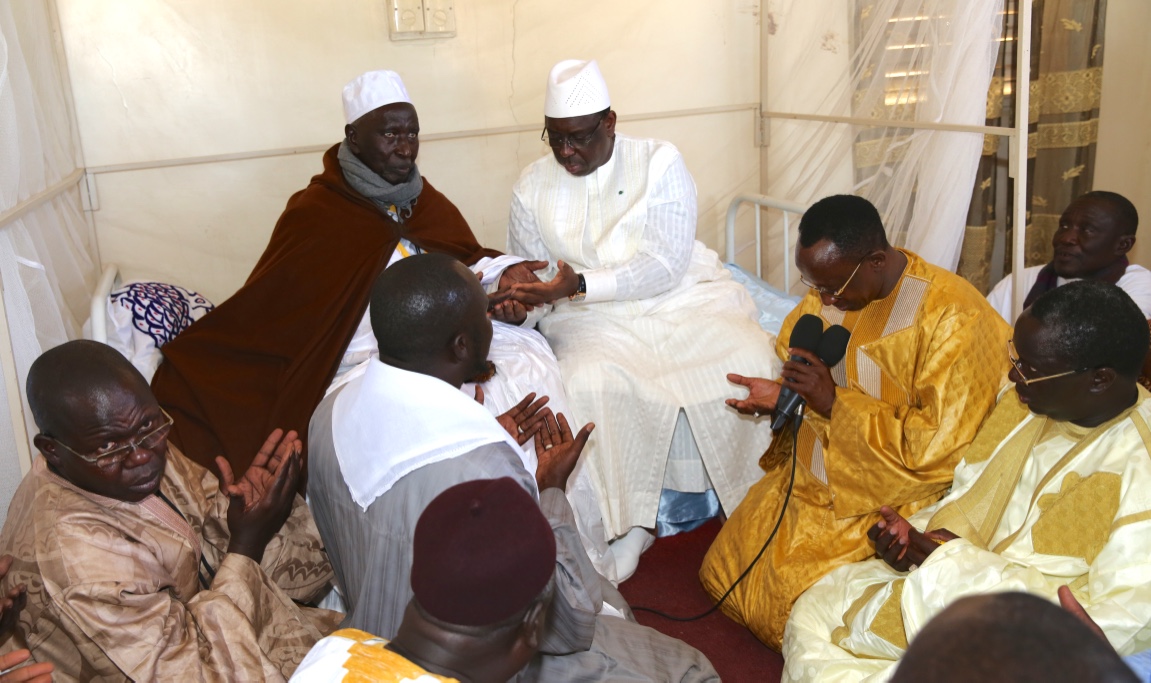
[[575, 88], [373, 90]]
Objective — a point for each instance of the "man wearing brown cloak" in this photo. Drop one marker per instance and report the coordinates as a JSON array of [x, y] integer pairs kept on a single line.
[[264, 358]]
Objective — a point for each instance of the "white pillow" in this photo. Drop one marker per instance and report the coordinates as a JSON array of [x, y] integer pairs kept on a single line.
[[143, 316]]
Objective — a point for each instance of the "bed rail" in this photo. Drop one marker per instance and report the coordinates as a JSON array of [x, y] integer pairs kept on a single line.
[[763, 202], [99, 306]]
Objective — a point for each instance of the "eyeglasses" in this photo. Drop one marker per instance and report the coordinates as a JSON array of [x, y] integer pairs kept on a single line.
[[573, 141], [839, 292], [114, 456], [1015, 362]]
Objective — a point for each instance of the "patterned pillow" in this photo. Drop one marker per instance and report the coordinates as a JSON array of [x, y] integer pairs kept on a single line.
[[160, 310]]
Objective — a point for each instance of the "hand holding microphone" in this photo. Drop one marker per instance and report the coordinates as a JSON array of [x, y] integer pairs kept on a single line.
[[807, 374]]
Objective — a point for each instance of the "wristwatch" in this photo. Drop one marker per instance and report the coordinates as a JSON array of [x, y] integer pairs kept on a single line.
[[581, 290]]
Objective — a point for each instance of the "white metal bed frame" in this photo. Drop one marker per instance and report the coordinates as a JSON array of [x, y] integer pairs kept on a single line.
[[761, 202]]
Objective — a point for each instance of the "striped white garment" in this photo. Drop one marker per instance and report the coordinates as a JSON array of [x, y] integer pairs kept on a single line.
[[662, 324]]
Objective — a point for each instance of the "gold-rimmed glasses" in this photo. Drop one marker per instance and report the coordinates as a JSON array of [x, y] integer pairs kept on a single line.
[[1018, 365], [114, 456], [839, 292]]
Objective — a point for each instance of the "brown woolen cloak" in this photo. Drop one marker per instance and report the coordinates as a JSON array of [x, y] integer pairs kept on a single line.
[[264, 357]]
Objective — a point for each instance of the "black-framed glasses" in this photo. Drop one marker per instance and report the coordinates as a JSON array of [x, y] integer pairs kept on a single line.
[[839, 292], [1018, 365], [573, 141], [111, 457]]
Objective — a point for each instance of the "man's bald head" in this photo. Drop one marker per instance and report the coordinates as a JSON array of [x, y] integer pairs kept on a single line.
[[423, 305], [76, 375], [1009, 637]]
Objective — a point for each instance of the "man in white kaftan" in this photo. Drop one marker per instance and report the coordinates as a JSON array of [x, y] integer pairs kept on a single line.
[[646, 322], [1054, 490], [388, 442]]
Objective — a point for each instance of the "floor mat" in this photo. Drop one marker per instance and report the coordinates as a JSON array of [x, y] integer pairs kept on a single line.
[[667, 580]]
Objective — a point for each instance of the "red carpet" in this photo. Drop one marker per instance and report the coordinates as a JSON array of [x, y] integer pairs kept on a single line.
[[668, 580]]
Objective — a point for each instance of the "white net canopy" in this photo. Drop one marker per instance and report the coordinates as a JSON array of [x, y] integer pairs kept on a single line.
[[881, 63], [47, 266]]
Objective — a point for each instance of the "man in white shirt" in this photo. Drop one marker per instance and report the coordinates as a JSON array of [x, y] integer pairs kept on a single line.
[[1095, 233], [646, 322]]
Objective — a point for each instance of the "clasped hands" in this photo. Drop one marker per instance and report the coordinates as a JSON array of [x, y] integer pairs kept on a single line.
[[557, 449], [811, 380], [520, 290], [901, 545]]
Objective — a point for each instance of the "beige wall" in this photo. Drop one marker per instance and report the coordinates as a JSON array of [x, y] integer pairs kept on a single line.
[[1123, 157], [167, 79]]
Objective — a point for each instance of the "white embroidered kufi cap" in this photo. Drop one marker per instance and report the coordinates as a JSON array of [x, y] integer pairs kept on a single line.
[[373, 90], [575, 88]]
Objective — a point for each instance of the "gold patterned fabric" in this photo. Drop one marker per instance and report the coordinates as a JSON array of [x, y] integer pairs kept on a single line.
[[922, 369], [115, 589], [1037, 504], [1063, 116], [353, 656]]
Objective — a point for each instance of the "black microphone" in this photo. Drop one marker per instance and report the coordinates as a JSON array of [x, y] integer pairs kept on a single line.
[[806, 335], [833, 345]]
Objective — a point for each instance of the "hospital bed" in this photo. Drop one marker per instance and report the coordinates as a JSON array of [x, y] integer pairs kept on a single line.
[[137, 318]]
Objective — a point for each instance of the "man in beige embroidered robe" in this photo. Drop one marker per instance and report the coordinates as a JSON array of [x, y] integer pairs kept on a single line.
[[1054, 490], [139, 565]]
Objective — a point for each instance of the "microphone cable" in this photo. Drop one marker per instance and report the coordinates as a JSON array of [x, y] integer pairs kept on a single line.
[[778, 522]]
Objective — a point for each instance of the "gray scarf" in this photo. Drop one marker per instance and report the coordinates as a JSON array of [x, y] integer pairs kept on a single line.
[[382, 193]]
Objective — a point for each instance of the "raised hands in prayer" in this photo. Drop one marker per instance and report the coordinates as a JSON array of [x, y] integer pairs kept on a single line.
[[525, 418], [901, 545], [505, 309], [253, 522], [558, 451], [262, 472], [761, 399], [811, 380], [10, 606], [563, 285]]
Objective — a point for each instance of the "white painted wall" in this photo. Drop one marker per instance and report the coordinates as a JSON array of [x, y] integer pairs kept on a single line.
[[156, 80], [1123, 155]]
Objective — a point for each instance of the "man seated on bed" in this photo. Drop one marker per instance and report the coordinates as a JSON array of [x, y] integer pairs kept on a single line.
[[267, 355], [138, 563], [386, 443], [885, 426], [1054, 490], [646, 321], [1096, 232]]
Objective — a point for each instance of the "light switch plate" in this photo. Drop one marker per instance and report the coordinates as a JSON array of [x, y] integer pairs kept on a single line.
[[440, 18], [405, 19]]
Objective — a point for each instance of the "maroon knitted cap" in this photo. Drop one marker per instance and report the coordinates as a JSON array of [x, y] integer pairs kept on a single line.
[[482, 552]]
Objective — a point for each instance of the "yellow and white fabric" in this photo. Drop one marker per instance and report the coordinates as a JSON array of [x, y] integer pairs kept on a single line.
[[353, 656], [1038, 504], [662, 324], [922, 369]]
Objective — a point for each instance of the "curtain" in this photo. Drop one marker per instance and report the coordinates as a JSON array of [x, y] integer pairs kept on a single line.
[[890, 61], [47, 263], [1063, 126]]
